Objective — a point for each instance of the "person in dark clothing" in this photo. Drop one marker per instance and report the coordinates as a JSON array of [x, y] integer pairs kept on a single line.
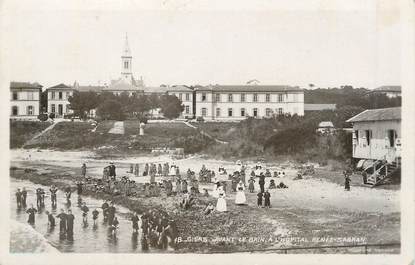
[[112, 170], [31, 211], [51, 219], [346, 182], [79, 185], [105, 207], [267, 201], [83, 170], [259, 199], [69, 224], [62, 223], [85, 211], [95, 214], [261, 182], [38, 197], [18, 198], [111, 213], [42, 197], [114, 226], [24, 196], [53, 191], [135, 220]]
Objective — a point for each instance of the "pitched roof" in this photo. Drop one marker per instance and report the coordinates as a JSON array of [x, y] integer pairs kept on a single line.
[[122, 85], [326, 124], [60, 86], [377, 115], [180, 88], [388, 89], [249, 88], [90, 88], [155, 89], [310, 107], [25, 85]]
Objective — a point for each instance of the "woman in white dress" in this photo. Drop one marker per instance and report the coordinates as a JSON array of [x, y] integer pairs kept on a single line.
[[221, 204], [240, 198], [215, 190]]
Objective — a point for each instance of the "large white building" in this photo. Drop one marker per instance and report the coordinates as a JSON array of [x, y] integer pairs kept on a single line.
[[225, 102], [185, 95], [25, 100], [58, 100], [389, 91]]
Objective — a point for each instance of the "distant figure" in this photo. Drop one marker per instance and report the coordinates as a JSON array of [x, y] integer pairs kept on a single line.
[[85, 211], [262, 182], [83, 170], [95, 214], [251, 186], [53, 191], [240, 198], [62, 222], [18, 198], [136, 170], [69, 224], [267, 200], [135, 220], [112, 171], [114, 226], [346, 181], [24, 196], [209, 209], [31, 211], [221, 203], [51, 219], [259, 199]]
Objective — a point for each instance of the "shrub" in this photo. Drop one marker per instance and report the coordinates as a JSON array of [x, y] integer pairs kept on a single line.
[[43, 117]]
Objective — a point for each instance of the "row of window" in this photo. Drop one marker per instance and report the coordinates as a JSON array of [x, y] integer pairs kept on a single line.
[[243, 97], [29, 96], [180, 96], [367, 135], [243, 112], [60, 95], [60, 108], [30, 110]]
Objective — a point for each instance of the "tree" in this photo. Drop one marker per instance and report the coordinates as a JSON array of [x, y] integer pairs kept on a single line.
[[82, 102], [171, 106], [43, 101], [110, 109]]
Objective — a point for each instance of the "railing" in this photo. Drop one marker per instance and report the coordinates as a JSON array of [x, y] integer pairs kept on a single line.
[[286, 250]]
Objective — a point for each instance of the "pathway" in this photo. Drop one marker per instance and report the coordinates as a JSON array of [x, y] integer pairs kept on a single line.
[[205, 133], [42, 132], [118, 128]]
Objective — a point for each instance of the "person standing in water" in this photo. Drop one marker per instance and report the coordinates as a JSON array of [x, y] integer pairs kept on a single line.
[[24, 196], [111, 213], [114, 226], [69, 224], [267, 200], [53, 191], [18, 198], [79, 185], [105, 207], [51, 219], [135, 220], [85, 211], [95, 214], [62, 223], [31, 211]]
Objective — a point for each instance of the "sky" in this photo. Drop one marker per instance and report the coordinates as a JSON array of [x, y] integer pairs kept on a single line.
[[298, 42]]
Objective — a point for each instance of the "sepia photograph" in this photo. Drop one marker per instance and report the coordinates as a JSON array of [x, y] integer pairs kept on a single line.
[[196, 127]]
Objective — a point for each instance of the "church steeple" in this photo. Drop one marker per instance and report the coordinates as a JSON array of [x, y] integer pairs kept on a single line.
[[126, 60]]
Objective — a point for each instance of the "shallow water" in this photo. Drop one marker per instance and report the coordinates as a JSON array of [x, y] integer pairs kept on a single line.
[[87, 238]]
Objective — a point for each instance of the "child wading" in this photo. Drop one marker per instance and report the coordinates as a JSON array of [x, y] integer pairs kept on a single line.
[[62, 223], [31, 211], [95, 214], [135, 220], [51, 220], [85, 211]]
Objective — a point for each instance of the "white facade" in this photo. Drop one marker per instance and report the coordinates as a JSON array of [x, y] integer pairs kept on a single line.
[[58, 100], [24, 100], [377, 136], [218, 103], [185, 95]]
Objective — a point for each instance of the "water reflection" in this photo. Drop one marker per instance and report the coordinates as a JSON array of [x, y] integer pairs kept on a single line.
[[87, 237]]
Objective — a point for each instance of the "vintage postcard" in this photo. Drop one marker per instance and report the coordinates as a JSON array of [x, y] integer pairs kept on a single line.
[[244, 132]]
